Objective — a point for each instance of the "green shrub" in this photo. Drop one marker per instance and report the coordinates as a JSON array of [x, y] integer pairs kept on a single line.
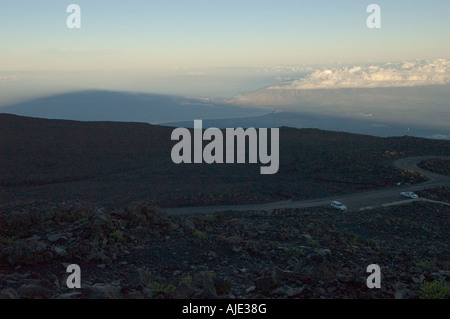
[[210, 218], [425, 265], [199, 234], [117, 236], [434, 290], [6, 240], [314, 244], [157, 287], [187, 280], [209, 273], [296, 251]]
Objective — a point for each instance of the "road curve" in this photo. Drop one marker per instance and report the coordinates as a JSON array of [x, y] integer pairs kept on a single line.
[[355, 201]]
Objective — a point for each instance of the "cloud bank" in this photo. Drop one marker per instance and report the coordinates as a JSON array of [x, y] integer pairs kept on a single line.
[[403, 74], [8, 78]]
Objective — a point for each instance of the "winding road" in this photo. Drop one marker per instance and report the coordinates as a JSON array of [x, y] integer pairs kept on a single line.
[[356, 201]]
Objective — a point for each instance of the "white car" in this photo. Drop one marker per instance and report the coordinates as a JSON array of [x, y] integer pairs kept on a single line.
[[338, 205], [410, 195]]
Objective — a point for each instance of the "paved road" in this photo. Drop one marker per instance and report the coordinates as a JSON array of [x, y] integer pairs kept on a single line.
[[356, 201]]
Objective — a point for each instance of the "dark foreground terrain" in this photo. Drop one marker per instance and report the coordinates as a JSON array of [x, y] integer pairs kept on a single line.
[[139, 252], [436, 165], [66, 189]]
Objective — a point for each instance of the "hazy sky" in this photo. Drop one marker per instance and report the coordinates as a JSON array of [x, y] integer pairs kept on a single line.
[[123, 43]]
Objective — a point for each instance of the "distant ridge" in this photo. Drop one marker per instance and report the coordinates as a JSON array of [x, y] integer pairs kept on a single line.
[[113, 162], [323, 122], [410, 107], [96, 105]]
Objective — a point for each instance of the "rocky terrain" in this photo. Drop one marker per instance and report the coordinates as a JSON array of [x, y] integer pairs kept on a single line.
[[114, 164], [437, 194], [138, 251], [436, 165]]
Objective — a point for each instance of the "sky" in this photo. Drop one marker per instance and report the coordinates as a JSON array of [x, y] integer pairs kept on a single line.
[[207, 47]]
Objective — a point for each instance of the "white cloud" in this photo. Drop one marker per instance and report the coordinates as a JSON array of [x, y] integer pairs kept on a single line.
[[9, 78], [195, 73], [440, 137], [80, 51], [404, 74]]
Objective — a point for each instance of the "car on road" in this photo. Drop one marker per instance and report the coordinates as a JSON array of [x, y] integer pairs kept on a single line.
[[338, 205], [409, 195]]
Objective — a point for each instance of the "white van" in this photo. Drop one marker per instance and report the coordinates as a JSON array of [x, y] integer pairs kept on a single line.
[[338, 205]]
